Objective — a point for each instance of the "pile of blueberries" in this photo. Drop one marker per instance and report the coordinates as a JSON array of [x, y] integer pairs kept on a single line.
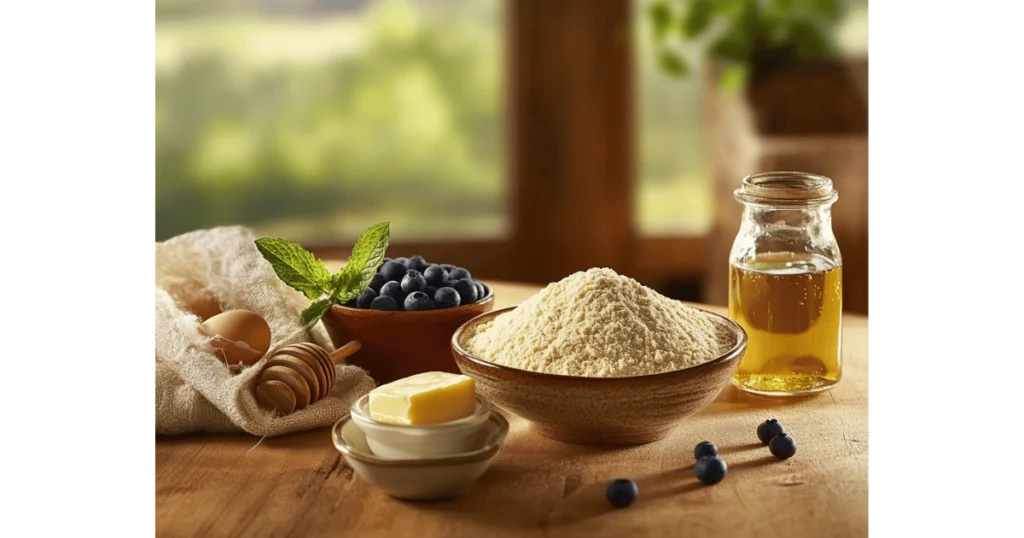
[[413, 284], [710, 468]]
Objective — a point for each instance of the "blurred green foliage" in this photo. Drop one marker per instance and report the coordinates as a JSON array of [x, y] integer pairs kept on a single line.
[[313, 125], [741, 34]]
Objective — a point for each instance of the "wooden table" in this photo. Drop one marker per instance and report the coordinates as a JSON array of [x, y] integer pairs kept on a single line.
[[298, 485]]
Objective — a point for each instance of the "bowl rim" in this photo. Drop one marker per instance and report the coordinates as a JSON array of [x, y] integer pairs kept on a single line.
[[734, 353], [480, 414], [481, 454], [489, 298]]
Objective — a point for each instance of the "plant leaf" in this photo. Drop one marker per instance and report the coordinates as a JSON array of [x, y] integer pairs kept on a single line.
[[367, 256], [673, 64], [296, 266], [315, 311], [698, 17], [661, 20], [734, 78]]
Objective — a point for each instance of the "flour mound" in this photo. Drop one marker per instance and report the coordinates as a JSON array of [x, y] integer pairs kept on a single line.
[[597, 323]]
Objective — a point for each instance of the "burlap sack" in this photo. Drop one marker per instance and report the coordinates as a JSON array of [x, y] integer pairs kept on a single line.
[[195, 391]]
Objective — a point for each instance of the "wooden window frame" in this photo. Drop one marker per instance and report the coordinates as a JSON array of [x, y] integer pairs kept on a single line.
[[570, 159]]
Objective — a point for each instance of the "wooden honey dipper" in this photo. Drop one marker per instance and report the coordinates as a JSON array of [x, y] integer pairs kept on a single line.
[[298, 375]]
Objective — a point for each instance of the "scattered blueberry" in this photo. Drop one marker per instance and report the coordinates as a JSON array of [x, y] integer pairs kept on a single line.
[[622, 492], [710, 470], [705, 449], [782, 446], [413, 281], [768, 430], [458, 274], [418, 300], [447, 298], [394, 290], [392, 270], [366, 298], [481, 291], [466, 289], [384, 302], [436, 276], [377, 282]]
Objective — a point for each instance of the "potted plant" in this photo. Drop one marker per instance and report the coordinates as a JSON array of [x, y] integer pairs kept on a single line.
[[779, 54]]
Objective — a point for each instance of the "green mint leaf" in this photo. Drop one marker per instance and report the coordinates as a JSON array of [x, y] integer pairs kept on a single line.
[[339, 283], [315, 311], [367, 255], [296, 266]]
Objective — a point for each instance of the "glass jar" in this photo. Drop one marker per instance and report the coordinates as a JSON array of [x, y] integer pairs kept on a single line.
[[786, 285]]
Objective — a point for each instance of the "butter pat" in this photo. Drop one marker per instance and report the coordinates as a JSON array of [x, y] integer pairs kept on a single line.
[[427, 398]]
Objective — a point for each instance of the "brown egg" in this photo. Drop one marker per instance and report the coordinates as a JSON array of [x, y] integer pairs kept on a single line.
[[240, 336]]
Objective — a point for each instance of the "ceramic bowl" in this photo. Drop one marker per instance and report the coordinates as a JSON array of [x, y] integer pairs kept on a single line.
[[400, 344], [400, 441], [421, 479], [601, 411]]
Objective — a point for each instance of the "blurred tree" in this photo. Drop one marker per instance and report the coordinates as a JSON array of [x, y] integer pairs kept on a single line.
[[268, 119]]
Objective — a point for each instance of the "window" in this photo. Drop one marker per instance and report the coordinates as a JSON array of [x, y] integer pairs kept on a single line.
[[311, 120]]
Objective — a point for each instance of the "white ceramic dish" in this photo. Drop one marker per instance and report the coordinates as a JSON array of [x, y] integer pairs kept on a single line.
[[421, 479], [399, 441]]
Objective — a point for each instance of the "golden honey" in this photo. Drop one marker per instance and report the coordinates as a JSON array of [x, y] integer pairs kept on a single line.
[[791, 306]]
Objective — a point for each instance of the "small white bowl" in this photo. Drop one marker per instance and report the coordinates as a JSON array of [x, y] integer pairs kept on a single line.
[[401, 441], [421, 479]]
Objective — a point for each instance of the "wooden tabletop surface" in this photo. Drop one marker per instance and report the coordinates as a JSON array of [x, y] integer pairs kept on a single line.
[[298, 485]]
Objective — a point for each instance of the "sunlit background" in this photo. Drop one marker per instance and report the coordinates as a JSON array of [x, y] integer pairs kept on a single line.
[[312, 119]]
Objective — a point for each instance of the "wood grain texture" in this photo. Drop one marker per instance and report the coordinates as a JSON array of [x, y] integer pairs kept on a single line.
[[298, 485]]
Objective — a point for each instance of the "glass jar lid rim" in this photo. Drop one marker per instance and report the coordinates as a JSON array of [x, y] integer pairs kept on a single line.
[[786, 188]]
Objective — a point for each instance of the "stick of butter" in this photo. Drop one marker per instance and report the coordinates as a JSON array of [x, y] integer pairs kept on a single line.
[[427, 398]]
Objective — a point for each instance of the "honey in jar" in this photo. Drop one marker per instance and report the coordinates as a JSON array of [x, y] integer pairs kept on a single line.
[[785, 285]]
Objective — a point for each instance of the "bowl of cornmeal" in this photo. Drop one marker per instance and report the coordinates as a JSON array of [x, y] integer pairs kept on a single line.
[[597, 358]]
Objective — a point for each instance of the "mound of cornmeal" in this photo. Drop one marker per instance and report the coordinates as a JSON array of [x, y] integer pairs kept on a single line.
[[598, 323]]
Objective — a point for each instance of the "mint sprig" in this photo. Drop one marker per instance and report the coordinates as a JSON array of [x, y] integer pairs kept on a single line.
[[300, 269]]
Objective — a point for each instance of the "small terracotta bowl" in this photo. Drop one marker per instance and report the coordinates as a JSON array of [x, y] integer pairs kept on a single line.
[[600, 411], [400, 344]]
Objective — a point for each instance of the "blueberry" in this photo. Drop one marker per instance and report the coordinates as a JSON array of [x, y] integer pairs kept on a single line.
[[351, 303], [418, 300], [705, 449], [384, 302], [367, 297], [377, 282], [448, 267], [394, 290], [436, 276], [768, 430], [710, 470], [417, 263], [622, 492], [447, 298], [481, 291], [782, 446], [393, 270], [413, 281], [459, 273], [430, 291], [466, 289], [386, 260]]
